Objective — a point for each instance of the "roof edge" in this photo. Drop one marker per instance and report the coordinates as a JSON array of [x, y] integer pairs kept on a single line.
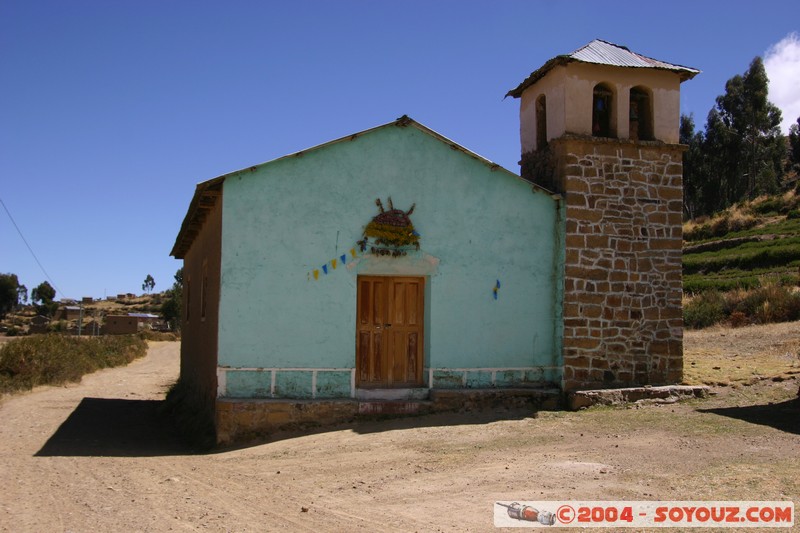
[[206, 190], [402, 121], [206, 195], [685, 73], [538, 74]]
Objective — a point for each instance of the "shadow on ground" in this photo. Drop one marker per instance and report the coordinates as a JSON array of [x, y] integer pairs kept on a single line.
[[784, 416], [462, 418], [383, 423], [115, 428], [106, 427]]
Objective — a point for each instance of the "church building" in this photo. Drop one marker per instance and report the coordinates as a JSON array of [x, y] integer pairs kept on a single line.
[[394, 271]]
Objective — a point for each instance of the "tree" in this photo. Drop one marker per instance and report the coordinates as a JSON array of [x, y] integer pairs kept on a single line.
[[149, 284], [9, 297], [741, 152], [694, 181], [171, 309], [42, 295], [746, 143], [794, 147], [22, 294]]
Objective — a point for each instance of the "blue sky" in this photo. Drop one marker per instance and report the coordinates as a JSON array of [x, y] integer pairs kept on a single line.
[[111, 112]]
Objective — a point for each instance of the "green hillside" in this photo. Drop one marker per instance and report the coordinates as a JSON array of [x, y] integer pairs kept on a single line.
[[743, 264], [744, 247]]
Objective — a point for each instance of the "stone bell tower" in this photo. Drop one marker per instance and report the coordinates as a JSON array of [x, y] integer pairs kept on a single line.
[[600, 127]]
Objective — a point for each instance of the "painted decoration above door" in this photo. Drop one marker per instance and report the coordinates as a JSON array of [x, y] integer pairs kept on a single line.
[[390, 232]]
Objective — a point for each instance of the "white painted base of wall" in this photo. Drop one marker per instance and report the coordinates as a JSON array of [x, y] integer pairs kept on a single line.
[[459, 375]]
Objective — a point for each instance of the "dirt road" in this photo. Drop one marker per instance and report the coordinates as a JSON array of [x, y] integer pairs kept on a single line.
[[93, 457]]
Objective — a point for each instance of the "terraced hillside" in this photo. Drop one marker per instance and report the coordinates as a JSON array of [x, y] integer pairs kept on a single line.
[[745, 247], [742, 266]]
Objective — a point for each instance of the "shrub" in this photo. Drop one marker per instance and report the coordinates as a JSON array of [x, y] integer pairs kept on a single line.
[[739, 222], [793, 214], [150, 335], [719, 226], [699, 232], [750, 303], [782, 204], [780, 305], [704, 310], [768, 205], [59, 326], [771, 302], [738, 319]]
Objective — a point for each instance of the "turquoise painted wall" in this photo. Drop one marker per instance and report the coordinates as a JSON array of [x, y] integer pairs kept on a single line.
[[288, 217]]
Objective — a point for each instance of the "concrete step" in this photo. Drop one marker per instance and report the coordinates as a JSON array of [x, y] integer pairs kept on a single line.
[[662, 394]]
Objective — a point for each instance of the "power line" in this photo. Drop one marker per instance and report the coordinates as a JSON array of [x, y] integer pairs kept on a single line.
[[53, 283]]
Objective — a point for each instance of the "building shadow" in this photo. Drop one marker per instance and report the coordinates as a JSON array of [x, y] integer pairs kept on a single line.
[[115, 428], [365, 425], [111, 427], [476, 417], [784, 416]]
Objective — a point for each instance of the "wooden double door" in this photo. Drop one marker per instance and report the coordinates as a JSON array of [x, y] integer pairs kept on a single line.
[[389, 331]]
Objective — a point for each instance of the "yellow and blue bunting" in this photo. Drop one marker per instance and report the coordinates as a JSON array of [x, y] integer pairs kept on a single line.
[[332, 264]]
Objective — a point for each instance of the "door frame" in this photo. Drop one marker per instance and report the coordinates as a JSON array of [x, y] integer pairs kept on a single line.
[[388, 301]]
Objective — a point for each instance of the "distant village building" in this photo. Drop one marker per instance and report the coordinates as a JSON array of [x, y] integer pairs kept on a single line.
[[394, 270], [120, 325], [39, 324], [130, 323], [147, 320], [69, 312]]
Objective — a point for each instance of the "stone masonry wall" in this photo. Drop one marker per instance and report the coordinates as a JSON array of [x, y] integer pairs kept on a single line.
[[623, 323]]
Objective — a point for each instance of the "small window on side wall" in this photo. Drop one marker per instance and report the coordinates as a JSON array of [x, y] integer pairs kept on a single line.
[[641, 115], [541, 122], [602, 108], [188, 298], [204, 291]]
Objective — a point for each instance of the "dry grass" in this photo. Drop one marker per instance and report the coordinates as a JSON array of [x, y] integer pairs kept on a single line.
[[55, 359], [733, 219], [743, 355]]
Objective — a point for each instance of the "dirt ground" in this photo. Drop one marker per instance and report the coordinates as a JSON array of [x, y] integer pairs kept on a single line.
[[94, 456]]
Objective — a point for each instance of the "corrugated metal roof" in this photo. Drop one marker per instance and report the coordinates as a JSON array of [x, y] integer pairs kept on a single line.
[[605, 53], [602, 52]]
